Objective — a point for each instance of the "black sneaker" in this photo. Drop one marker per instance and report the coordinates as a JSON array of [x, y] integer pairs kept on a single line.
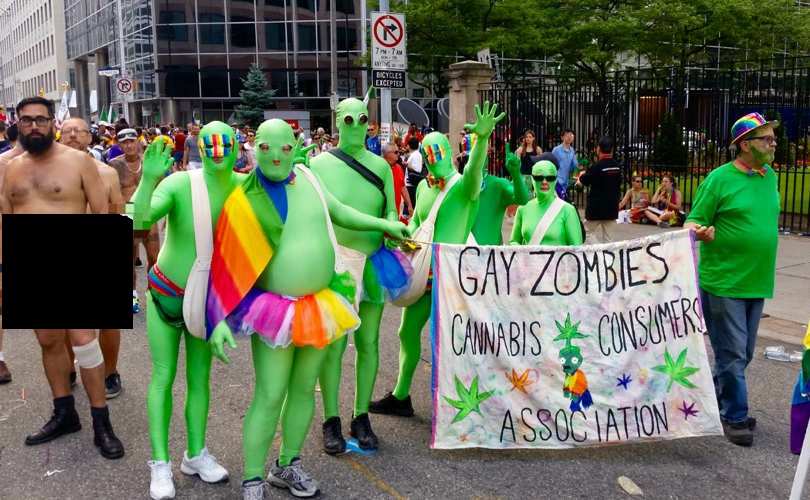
[[390, 405], [333, 442], [739, 433], [73, 380], [362, 432], [752, 423], [113, 385]]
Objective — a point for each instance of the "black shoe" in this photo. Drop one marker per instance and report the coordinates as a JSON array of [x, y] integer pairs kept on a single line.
[[113, 385], [390, 405], [5, 375], [72, 380], [362, 432], [104, 438], [752, 423], [333, 442], [739, 433], [64, 421]]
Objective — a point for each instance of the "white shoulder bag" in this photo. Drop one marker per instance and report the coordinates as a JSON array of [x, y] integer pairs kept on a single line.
[[546, 220], [197, 285]]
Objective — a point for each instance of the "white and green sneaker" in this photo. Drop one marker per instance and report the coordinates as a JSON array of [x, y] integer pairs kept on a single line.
[[294, 479]]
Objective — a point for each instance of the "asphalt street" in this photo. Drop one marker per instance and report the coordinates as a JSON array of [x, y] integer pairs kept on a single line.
[[404, 467]]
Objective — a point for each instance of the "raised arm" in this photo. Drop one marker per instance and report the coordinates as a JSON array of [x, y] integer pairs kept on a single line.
[[156, 161], [485, 122], [515, 193]]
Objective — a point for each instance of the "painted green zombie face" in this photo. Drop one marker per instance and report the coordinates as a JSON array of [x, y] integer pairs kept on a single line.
[[544, 179], [762, 151], [571, 359], [217, 146], [352, 122], [437, 154], [275, 142]]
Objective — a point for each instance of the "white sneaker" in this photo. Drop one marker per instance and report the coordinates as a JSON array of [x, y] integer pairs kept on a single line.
[[205, 466], [161, 486]]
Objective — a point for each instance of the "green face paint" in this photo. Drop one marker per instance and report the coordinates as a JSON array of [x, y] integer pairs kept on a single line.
[[352, 122], [544, 168], [275, 142], [437, 154], [218, 149], [762, 157]]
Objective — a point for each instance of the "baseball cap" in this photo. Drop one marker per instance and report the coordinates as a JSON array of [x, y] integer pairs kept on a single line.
[[127, 134]]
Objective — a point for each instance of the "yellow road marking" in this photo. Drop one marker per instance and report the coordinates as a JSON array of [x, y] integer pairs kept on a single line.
[[374, 479]]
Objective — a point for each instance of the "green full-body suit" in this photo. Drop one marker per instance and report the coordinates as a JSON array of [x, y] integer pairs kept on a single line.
[[303, 263], [453, 225], [565, 230], [172, 199], [353, 189], [497, 194]]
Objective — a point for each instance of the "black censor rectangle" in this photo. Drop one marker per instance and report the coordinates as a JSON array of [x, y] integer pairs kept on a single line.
[[387, 79], [67, 271]]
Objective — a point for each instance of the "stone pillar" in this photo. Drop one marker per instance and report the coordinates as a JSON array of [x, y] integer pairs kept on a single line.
[[466, 78], [82, 92], [168, 111], [102, 82]]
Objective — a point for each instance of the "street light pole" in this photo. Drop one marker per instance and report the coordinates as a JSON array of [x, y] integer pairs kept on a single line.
[[121, 54], [333, 72]]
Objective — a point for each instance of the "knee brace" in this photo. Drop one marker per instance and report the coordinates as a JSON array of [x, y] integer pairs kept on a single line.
[[89, 355]]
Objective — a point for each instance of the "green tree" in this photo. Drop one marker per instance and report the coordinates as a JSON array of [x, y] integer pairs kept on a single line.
[[669, 152], [254, 98]]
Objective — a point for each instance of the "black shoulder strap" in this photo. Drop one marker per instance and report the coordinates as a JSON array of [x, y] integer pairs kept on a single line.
[[362, 170]]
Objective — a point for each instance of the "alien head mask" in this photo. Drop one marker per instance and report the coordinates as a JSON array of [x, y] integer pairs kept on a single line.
[[275, 142], [352, 122], [217, 145], [544, 179], [437, 154]]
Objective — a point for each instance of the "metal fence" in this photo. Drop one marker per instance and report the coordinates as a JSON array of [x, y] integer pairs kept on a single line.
[[630, 106]]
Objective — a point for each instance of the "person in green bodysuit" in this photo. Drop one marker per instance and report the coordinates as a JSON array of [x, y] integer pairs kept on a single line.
[[496, 194], [299, 300], [368, 188], [453, 225], [165, 325], [565, 229]]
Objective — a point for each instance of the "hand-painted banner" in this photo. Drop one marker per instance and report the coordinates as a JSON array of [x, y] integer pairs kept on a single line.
[[557, 347]]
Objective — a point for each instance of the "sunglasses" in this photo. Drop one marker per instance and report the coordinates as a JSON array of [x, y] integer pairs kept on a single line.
[[548, 178], [127, 136]]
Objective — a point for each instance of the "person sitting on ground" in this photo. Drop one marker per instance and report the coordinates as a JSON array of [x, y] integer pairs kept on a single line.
[[665, 208]]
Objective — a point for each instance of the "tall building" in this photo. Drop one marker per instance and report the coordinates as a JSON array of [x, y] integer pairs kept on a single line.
[[32, 57], [188, 57]]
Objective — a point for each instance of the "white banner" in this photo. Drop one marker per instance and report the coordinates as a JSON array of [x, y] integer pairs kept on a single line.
[[559, 347]]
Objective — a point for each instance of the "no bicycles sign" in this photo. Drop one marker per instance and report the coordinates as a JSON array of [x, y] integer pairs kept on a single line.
[[388, 41]]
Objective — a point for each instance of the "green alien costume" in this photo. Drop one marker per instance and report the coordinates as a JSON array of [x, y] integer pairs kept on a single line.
[[299, 276], [496, 194], [368, 188], [168, 279], [564, 230], [453, 225]]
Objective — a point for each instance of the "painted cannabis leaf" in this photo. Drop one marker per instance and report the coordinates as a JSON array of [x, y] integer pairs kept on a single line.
[[677, 371], [468, 400]]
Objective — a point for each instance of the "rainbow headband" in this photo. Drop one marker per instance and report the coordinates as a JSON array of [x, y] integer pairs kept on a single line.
[[216, 145], [434, 153]]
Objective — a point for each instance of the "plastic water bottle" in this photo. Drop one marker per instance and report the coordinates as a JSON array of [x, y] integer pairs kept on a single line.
[[778, 353]]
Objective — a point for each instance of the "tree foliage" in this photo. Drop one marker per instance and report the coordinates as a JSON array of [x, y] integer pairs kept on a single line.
[[254, 98], [594, 37]]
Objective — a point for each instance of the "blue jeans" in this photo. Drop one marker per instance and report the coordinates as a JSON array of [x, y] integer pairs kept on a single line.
[[732, 325]]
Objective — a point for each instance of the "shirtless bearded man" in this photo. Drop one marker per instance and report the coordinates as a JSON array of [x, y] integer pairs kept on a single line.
[[76, 135], [50, 178], [129, 167]]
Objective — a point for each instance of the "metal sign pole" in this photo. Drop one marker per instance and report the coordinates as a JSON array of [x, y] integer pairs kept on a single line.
[[385, 95], [121, 55]]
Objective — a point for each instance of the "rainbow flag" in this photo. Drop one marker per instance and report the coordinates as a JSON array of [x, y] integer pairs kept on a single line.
[[469, 142], [241, 252], [800, 404]]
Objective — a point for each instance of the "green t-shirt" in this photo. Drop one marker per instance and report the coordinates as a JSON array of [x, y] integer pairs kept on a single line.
[[744, 210]]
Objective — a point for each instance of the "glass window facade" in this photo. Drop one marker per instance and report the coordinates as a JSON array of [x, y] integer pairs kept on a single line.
[[202, 49]]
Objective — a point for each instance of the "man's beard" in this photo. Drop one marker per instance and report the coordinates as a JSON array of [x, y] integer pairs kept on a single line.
[[37, 145]]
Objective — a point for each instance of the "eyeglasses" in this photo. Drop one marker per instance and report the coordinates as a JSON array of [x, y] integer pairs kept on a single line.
[[75, 131], [548, 178], [769, 139], [41, 121]]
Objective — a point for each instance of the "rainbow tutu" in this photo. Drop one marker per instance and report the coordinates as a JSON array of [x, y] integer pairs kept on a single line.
[[393, 271], [314, 320]]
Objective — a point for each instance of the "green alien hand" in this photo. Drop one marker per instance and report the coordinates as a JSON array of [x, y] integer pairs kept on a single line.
[[397, 230], [301, 154], [512, 163], [485, 121], [157, 160], [221, 335]]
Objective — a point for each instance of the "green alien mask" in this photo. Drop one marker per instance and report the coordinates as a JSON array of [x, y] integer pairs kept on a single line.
[[275, 145], [544, 174], [217, 145], [352, 122], [437, 154]]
